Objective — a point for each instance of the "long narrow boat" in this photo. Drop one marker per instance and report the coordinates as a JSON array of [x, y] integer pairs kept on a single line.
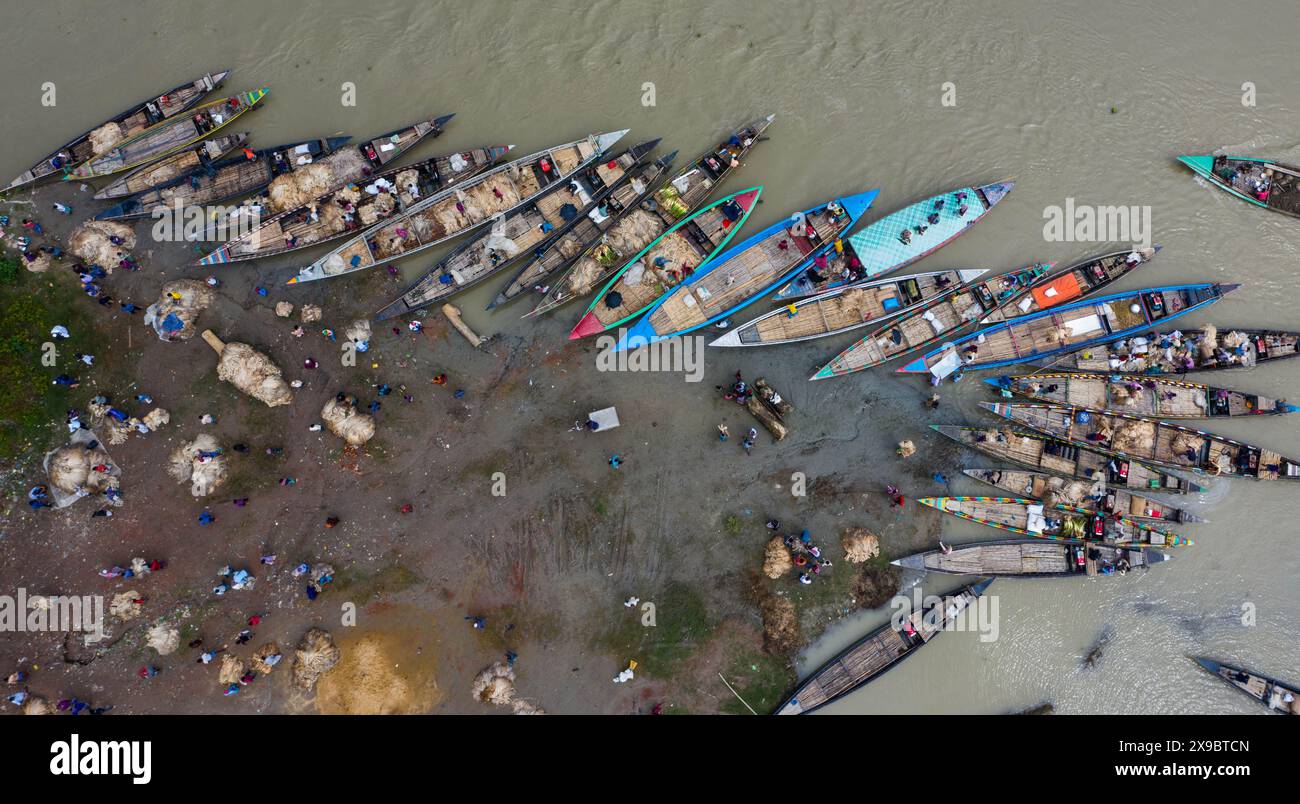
[[519, 233], [638, 227], [1090, 495], [748, 271], [1033, 558], [1140, 394], [1147, 439], [1076, 282], [1064, 329], [1058, 457], [322, 203], [577, 237], [1276, 696], [1262, 182], [933, 321], [170, 168], [879, 652], [108, 134], [898, 239], [169, 136], [846, 309], [1057, 522], [669, 261], [460, 209], [1178, 352], [224, 180]]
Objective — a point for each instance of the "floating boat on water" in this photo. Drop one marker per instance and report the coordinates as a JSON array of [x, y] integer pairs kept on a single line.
[[681, 195], [1033, 558], [1065, 329], [747, 271], [460, 209], [170, 168], [321, 202], [133, 121], [932, 321], [224, 180], [1058, 521], [168, 136], [1260, 181], [1276, 696], [1147, 439], [883, 247], [846, 309], [580, 235], [1076, 282], [1177, 352], [668, 262], [519, 233], [878, 652], [1059, 457], [1090, 495], [1143, 395]]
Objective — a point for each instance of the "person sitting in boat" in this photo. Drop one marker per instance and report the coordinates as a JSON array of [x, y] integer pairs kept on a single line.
[[933, 218], [815, 276], [943, 281], [905, 236], [921, 229]]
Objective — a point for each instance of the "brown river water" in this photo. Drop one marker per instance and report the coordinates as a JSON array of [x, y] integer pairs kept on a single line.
[[858, 93]]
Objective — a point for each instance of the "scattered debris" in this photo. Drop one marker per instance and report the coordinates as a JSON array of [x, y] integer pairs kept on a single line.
[[906, 449]]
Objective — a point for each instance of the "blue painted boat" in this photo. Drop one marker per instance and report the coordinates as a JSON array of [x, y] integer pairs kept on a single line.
[[1064, 329], [748, 271], [1262, 182], [899, 239]]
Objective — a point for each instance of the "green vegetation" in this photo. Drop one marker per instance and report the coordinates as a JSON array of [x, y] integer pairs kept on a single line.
[[682, 623], [762, 680], [31, 408], [363, 586], [732, 525]]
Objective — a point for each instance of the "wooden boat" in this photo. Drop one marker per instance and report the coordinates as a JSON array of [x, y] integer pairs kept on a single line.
[[1089, 495], [169, 168], [457, 210], [1178, 352], [846, 309], [1140, 394], [1033, 558], [883, 247], [582, 234], [669, 261], [1276, 696], [747, 271], [324, 203], [520, 233], [122, 127], [879, 652], [168, 136], [638, 227], [1058, 457], [1079, 280], [224, 180], [1065, 329], [1261, 182], [1058, 521], [1147, 439], [933, 321]]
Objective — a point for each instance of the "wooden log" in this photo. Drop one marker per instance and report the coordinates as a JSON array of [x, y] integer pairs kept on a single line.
[[766, 417], [774, 400], [216, 343], [453, 315]]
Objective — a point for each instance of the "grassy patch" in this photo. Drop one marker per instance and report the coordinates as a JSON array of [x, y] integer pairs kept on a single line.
[[762, 680], [732, 524], [31, 407], [682, 623], [364, 586]]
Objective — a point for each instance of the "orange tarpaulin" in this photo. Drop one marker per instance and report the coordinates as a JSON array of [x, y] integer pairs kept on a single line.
[[1057, 291]]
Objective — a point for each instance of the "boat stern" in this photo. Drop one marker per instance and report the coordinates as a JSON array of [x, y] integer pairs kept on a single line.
[[993, 193], [1155, 556], [439, 122], [915, 561], [732, 338], [977, 589], [589, 325], [917, 366], [639, 335], [1201, 165], [1208, 664], [969, 275], [606, 141], [857, 205]]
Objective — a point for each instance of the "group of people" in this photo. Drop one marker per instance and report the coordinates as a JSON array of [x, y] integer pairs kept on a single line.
[[807, 557], [905, 236]]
